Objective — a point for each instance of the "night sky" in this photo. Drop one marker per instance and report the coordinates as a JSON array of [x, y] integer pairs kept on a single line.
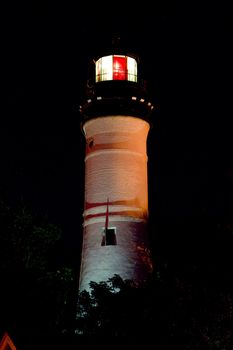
[[187, 62]]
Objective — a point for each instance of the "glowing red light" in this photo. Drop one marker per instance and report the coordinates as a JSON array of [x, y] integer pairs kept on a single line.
[[119, 68]]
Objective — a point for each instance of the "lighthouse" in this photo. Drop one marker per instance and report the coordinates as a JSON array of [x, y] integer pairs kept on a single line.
[[115, 121]]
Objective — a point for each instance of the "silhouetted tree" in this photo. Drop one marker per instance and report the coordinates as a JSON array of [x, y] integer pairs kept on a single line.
[[35, 293]]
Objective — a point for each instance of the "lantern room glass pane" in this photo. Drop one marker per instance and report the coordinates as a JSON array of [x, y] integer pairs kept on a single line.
[[132, 69], [104, 69], [98, 67], [119, 68]]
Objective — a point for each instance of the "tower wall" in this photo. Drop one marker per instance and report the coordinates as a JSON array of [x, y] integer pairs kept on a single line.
[[115, 180]]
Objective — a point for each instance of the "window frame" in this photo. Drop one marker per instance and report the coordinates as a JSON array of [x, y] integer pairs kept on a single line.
[[105, 239]]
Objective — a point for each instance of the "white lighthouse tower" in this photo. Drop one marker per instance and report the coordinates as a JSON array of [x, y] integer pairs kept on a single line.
[[115, 122]]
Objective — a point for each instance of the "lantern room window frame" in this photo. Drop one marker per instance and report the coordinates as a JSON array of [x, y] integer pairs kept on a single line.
[[116, 67]]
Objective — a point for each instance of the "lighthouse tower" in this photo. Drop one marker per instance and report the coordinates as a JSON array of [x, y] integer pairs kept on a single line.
[[115, 123]]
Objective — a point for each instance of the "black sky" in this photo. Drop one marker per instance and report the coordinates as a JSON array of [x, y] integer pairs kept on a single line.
[[187, 62]]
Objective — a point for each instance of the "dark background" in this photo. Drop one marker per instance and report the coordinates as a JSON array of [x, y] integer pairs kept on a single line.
[[187, 62]]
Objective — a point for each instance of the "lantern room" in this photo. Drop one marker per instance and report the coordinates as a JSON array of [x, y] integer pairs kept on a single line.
[[116, 67], [115, 86]]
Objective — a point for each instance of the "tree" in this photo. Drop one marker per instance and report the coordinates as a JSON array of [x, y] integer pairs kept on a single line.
[[116, 308], [35, 293]]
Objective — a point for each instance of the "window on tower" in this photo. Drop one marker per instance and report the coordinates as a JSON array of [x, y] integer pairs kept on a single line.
[[109, 236], [116, 67]]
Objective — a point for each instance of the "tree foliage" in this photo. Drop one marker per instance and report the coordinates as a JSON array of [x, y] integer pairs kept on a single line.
[[110, 308], [36, 289]]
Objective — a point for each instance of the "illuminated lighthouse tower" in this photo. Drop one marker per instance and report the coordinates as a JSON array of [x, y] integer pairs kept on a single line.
[[115, 125]]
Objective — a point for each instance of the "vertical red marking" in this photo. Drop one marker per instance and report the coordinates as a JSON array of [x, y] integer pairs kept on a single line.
[[107, 217]]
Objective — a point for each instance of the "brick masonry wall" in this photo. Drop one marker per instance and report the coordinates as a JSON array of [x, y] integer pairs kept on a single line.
[[115, 172]]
